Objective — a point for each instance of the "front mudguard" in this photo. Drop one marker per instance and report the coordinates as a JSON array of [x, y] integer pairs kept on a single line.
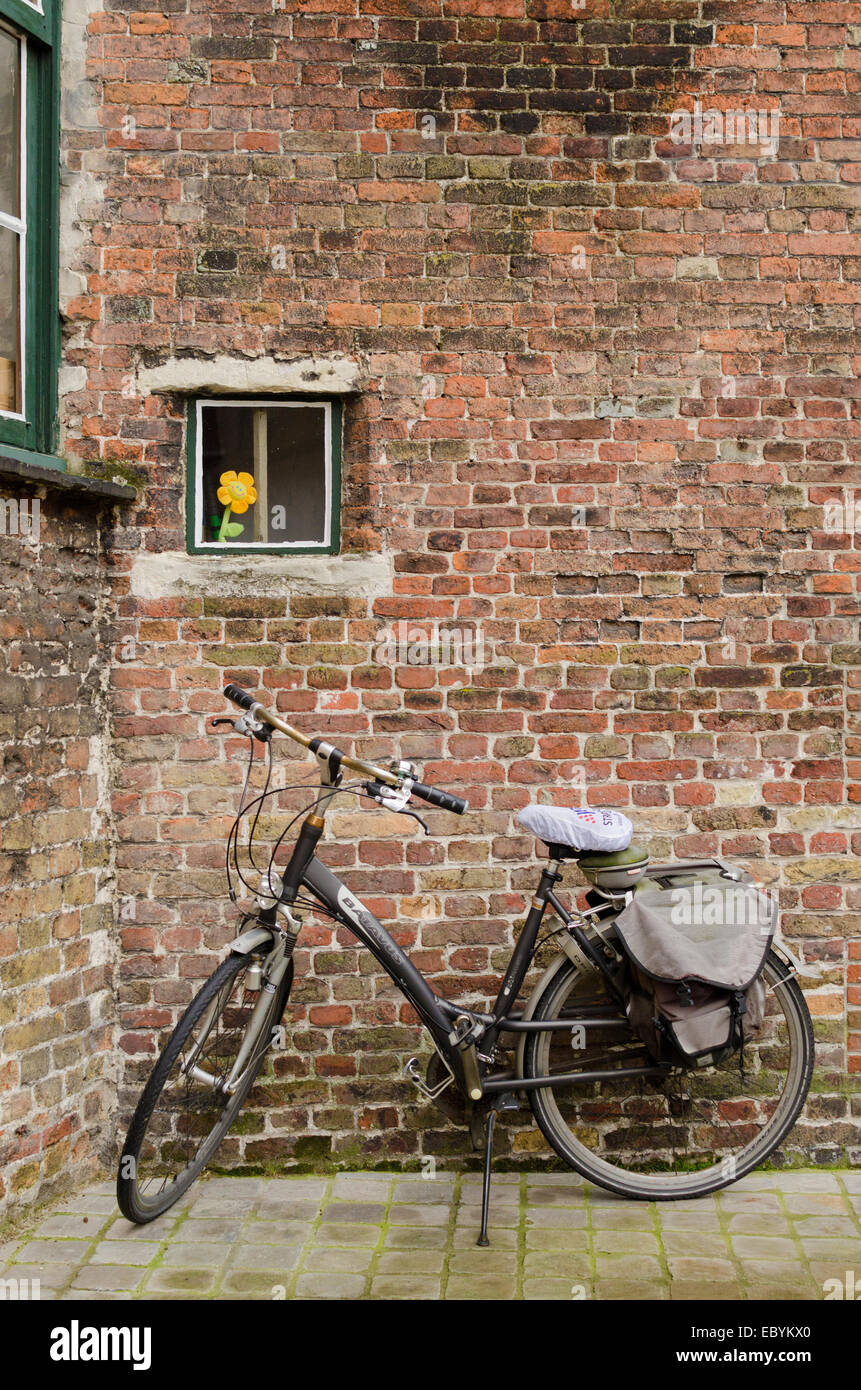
[[250, 940]]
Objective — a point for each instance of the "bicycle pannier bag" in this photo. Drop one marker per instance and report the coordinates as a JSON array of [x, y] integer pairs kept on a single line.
[[695, 954]]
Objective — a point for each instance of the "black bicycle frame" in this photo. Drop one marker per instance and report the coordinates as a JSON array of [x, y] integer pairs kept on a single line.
[[439, 1015]]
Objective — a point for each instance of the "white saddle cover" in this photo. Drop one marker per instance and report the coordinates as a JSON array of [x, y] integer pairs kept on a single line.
[[585, 829]]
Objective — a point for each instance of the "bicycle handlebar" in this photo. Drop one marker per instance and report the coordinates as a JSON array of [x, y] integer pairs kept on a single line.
[[432, 795], [435, 797]]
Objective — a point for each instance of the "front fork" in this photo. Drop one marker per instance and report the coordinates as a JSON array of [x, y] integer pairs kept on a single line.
[[274, 969]]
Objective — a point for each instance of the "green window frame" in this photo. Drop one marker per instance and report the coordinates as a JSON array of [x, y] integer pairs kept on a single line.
[[28, 431], [200, 528]]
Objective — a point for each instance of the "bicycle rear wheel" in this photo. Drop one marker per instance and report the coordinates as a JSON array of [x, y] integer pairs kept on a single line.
[[183, 1113], [683, 1135]]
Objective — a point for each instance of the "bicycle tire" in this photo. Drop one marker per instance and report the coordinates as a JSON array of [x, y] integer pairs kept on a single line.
[[130, 1200], [662, 1186]]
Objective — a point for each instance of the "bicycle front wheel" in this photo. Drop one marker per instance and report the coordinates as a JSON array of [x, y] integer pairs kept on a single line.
[[680, 1135], [184, 1112]]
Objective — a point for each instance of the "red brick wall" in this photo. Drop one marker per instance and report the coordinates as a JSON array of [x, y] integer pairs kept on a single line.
[[604, 320]]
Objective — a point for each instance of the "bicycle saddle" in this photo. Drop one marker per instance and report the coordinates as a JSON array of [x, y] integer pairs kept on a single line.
[[580, 829]]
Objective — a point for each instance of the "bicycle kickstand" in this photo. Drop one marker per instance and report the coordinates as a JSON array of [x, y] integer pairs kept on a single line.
[[488, 1160]]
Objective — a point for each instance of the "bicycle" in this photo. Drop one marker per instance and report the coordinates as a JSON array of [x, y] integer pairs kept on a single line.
[[634, 1127]]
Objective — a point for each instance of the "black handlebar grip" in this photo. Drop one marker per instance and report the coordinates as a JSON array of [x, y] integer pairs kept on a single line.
[[435, 797], [239, 697]]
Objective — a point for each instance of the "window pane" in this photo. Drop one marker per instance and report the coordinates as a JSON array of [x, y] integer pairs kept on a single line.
[[10, 364], [228, 446], [283, 448], [297, 474], [10, 130]]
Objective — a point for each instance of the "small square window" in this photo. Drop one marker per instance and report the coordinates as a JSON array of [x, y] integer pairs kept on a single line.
[[265, 475]]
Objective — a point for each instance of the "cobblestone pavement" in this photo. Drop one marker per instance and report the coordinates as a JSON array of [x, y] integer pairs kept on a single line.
[[382, 1235]]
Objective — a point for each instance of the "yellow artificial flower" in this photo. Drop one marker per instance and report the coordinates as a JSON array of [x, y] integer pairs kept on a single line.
[[237, 491]]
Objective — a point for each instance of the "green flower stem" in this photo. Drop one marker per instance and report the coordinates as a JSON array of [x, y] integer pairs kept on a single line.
[[224, 521]]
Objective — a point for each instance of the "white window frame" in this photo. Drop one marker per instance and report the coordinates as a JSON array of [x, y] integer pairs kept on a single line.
[[18, 225], [256, 403]]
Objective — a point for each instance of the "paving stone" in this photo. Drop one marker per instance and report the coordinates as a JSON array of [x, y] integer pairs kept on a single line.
[[415, 1238], [65, 1224], [630, 1267], [295, 1189], [278, 1258], [558, 1264], [355, 1187], [93, 1296], [851, 1181], [546, 1217], [410, 1262], [558, 1180], [674, 1218], [759, 1223], [330, 1286], [470, 1195], [364, 1212], [306, 1210], [252, 1283], [180, 1281], [428, 1215], [558, 1238], [484, 1260], [771, 1292], [196, 1254], [405, 1286], [630, 1289], [557, 1195], [232, 1189], [126, 1252], [355, 1259], [348, 1233], [275, 1232], [501, 1237], [749, 1201], [824, 1227], [636, 1218], [754, 1182], [108, 1277], [806, 1182], [775, 1271], [209, 1230], [53, 1276], [90, 1204], [216, 1205], [433, 1192], [562, 1289], [815, 1203], [488, 1288], [693, 1269], [820, 1270], [833, 1250], [157, 1230], [47, 1252], [764, 1248], [686, 1290], [635, 1242], [709, 1244]]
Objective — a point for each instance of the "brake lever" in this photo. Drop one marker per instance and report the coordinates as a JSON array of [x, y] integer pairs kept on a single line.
[[394, 799], [215, 722]]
